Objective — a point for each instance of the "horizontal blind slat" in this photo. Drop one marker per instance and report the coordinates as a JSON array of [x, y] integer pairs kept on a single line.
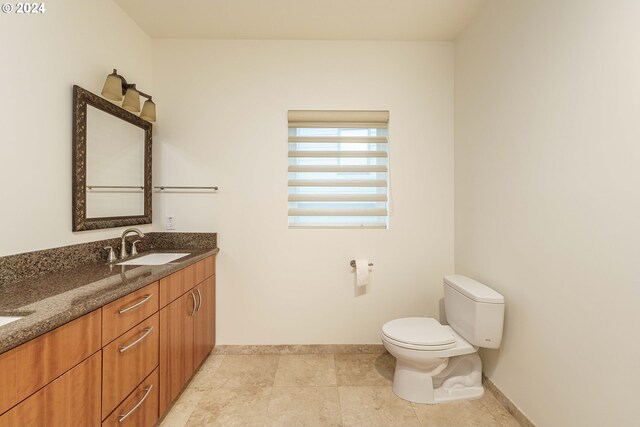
[[337, 183], [337, 197], [340, 139], [338, 154], [337, 168], [342, 125], [338, 116], [337, 212]]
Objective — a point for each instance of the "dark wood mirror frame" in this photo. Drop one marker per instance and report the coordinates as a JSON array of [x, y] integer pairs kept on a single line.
[[82, 98]]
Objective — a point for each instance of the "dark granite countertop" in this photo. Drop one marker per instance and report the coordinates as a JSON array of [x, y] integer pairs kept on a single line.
[[51, 300]]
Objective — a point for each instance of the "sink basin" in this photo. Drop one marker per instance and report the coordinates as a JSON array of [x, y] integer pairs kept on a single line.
[[154, 259], [8, 319]]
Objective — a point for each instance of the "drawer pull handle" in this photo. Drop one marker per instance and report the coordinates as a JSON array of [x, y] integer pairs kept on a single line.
[[199, 300], [193, 297], [138, 304], [147, 331], [146, 394]]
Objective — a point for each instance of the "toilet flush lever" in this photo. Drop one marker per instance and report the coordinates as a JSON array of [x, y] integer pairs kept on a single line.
[[353, 263]]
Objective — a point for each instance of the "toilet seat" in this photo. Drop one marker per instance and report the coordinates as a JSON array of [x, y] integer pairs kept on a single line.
[[418, 333]]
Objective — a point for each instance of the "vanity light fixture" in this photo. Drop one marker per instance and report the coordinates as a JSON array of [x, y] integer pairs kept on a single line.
[[116, 87]]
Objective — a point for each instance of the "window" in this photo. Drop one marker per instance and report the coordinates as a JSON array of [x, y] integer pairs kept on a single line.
[[338, 169]]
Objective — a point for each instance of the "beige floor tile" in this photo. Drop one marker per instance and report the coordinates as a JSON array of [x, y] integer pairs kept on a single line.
[[246, 371], [304, 406], [471, 413], [375, 406], [182, 409], [229, 407], [306, 370], [499, 412], [365, 369], [204, 378], [236, 390]]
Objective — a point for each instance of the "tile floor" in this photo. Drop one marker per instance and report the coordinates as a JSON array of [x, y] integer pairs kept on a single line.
[[315, 390]]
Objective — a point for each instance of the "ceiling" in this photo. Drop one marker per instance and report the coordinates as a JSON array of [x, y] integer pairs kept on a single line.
[[435, 20]]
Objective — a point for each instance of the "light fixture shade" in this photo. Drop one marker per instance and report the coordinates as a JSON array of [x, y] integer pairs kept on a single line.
[[131, 100], [112, 88], [148, 111]]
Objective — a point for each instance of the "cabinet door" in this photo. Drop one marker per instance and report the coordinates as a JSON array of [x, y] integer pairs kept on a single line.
[[176, 348], [205, 320], [71, 400]]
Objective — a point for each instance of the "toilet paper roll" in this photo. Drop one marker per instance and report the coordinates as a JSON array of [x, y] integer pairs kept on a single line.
[[362, 272]]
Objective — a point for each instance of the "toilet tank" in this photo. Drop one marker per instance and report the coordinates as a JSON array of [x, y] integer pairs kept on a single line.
[[474, 310]]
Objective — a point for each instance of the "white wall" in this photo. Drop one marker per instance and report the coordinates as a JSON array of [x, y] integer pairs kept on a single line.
[[222, 108], [548, 200], [43, 56]]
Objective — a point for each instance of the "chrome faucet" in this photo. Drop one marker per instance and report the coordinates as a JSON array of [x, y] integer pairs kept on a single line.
[[123, 244]]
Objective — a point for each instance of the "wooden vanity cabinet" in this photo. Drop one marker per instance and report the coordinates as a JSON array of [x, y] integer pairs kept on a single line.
[[131, 357], [187, 329]]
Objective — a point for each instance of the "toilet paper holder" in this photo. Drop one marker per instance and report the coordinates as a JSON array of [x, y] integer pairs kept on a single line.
[[352, 263]]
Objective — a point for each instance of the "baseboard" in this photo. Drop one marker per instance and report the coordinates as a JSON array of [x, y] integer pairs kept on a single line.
[[511, 407], [301, 349]]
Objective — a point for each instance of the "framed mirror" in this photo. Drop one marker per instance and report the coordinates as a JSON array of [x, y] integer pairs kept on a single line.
[[111, 164]]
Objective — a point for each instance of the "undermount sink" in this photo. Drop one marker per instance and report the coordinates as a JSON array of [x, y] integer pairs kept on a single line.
[[154, 259], [8, 319]]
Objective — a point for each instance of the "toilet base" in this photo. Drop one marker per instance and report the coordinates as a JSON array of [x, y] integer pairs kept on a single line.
[[441, 380]]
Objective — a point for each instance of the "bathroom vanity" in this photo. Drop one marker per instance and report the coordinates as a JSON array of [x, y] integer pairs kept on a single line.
[[112, 345]]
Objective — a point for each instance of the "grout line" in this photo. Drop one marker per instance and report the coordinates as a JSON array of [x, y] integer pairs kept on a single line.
[[413, 406], [266, 413], [493, 415], [335, 370]]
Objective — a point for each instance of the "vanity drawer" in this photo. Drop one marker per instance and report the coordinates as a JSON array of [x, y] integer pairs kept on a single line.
[[177, 284], [127, 361], [204, 269], [200, 272], [209, 266], [126, 312], [36, 363], [72, 400], [140, 408]]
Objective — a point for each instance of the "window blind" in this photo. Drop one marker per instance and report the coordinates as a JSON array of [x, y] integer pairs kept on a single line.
[[338, 169]]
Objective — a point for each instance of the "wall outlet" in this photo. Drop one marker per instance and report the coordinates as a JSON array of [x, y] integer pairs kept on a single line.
[[170, 223]]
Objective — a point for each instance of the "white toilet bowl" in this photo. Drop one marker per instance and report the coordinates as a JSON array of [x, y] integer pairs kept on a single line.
[[429, 367], [435, 363]]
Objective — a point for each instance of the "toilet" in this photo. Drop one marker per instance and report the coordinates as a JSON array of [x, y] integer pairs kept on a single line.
[[439, 363]]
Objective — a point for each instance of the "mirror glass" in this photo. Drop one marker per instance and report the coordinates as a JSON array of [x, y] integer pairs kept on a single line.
[[115, 166], [111, 170]]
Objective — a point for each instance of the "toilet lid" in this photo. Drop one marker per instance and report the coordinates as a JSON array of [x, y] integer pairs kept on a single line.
[[424, 331]]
